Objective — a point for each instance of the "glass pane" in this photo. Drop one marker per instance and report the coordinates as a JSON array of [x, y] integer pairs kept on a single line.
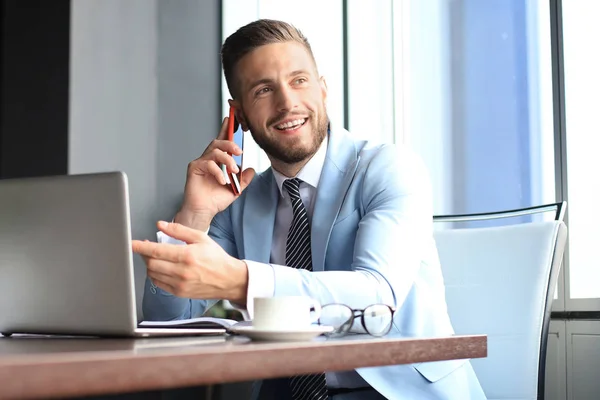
[[237, 13], [582, 85], [477, 101], [370, 70]]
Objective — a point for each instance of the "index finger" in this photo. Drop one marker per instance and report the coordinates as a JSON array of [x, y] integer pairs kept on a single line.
[[223, 132], [162, 251]]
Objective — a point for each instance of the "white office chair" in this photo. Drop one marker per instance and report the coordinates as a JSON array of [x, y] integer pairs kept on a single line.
[[500, 281]]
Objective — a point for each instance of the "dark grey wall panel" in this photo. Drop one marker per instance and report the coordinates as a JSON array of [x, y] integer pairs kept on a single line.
[[34, 87]]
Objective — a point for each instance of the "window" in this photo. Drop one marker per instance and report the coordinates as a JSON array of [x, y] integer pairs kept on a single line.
[[478, 101], [467, 84], [582, 85], [370, 66]]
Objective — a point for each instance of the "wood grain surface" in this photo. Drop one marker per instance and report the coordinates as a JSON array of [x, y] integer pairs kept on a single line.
[[36, 367]]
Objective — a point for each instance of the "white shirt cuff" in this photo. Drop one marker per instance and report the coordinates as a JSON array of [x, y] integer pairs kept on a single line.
[[164, 238], [261, 283]]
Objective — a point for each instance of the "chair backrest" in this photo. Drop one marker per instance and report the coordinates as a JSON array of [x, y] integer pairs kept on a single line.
[[500, 281]]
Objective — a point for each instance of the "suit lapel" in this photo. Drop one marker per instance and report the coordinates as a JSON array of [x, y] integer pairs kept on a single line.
[[260, 207], [339, 168]]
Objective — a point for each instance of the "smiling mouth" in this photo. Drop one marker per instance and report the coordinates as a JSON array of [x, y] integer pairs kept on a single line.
[[291, 125]]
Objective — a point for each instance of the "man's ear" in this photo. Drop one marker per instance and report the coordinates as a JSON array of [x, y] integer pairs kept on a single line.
[[238, 113], [323, 84]]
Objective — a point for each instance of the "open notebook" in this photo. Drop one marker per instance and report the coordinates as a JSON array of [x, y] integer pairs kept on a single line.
[[195, 323]]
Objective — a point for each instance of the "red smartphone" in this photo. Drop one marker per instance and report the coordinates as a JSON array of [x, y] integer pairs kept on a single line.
[[235, 133]]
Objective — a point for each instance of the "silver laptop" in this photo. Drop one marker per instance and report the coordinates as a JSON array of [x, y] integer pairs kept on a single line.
[[66, 265]]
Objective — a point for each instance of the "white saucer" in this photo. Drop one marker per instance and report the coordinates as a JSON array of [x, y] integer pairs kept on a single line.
[[282, 335]]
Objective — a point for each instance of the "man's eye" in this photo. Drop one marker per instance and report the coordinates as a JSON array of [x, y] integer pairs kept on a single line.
[[262, 91], [300, 81]]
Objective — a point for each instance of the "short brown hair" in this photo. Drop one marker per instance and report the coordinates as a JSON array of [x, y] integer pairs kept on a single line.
[[250, 37]]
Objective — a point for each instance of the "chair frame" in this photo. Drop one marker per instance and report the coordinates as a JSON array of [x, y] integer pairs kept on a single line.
[[559, 213]]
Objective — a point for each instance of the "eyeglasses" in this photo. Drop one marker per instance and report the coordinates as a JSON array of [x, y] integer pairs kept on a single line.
[[376, 319]]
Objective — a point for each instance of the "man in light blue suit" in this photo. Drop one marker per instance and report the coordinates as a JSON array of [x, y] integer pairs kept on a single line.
[[369, 211]]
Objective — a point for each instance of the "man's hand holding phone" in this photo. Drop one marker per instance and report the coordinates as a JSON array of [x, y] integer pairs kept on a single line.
[[206, 189]]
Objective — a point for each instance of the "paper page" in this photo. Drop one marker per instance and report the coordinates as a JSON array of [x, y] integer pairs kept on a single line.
[[200, 322]]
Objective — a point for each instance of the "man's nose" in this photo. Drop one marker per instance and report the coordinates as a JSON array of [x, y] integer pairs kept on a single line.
[[287, 100]]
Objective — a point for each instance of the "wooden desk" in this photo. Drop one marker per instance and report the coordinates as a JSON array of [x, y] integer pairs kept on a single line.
[[59, 367]]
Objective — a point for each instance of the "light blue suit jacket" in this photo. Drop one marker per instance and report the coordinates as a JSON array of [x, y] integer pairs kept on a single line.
[[372, 232]]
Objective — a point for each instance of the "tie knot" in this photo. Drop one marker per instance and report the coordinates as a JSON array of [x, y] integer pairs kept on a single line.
[[293, 187]]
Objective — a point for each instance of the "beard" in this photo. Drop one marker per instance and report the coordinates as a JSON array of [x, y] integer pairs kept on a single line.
[[292, 154]]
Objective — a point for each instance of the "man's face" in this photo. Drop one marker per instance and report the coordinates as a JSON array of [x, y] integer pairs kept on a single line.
[[282, 101]]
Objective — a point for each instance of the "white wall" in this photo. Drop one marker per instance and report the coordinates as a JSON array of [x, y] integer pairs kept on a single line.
[[144, 98]]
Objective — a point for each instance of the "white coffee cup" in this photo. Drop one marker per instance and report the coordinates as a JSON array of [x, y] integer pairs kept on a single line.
[[285, 312]]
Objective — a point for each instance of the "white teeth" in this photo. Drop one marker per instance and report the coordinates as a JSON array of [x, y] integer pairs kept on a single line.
[[291, 124]]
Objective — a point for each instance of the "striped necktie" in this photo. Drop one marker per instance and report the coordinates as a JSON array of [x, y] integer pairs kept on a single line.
[[298, 255]]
